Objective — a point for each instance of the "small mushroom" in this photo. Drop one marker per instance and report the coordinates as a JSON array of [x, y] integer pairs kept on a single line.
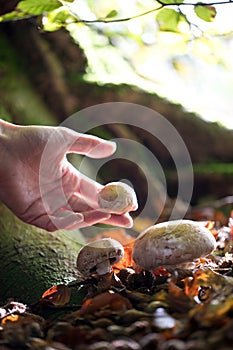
[[172, 243], [98, 256], [117, 198]]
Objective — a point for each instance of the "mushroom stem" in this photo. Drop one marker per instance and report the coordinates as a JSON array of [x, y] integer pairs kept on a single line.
[[104, 267]]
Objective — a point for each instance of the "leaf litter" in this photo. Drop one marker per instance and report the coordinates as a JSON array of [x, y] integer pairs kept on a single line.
[[132, 308]]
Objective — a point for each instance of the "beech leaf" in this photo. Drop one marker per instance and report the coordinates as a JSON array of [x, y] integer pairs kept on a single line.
[[57, 295], [112, 301], [168, 20], [205, 12], [111, 14], [35, 7]]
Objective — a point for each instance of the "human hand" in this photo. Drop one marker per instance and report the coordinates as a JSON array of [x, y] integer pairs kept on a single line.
[[39, 184]]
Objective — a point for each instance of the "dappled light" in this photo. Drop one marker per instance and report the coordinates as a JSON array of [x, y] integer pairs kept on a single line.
[[157, 46]]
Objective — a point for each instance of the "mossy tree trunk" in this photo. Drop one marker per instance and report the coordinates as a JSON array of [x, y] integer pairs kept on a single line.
[[33, 260]]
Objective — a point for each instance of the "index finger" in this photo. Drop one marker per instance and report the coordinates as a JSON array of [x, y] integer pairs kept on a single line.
[[89, 145]]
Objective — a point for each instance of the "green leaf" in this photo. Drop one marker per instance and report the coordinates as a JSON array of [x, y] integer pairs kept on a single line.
[[168, 19], [12, 16], [37, 7], [56, 19], [60, 17], [205, 12], [112, 14]]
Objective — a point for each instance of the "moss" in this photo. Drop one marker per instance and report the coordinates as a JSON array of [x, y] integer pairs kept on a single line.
[[19, 101], [32, 260]]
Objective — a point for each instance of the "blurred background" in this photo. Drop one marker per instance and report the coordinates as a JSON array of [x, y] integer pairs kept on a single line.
[[175, 57]]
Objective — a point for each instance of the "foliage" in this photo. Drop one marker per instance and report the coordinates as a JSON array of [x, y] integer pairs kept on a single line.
[[148, 43], [205, 12], [34, 8], [166, 15]]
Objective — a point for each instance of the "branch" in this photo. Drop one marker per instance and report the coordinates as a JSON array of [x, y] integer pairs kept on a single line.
[[162, 4], [195, 4], [117, 19]]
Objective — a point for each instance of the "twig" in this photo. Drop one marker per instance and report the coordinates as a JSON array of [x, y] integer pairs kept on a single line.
[[162, 4]]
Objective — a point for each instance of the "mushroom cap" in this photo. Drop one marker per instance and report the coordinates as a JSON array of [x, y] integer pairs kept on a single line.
[[117, 198], [94, 253], [172, 243]]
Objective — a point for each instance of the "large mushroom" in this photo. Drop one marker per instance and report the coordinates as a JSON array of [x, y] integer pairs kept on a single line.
[[172, 243], [98, 257]]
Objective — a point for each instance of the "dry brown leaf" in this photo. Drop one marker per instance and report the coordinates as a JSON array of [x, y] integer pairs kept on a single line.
[[10, 318], [112, 301], [57, 295], [127, 260]]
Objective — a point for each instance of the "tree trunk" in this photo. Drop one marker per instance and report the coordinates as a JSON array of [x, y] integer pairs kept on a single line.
[[32, 260]]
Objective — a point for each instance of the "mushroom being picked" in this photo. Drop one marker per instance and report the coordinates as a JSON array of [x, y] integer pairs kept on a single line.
[[117, 198], [99, 256], [173, 243]]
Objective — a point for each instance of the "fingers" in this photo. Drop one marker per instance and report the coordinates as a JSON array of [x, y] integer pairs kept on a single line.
[[65, 219], [85, 188], [93, 217], [59, 221], [96, 217], [79, 205], [89, 145], [89, 190], [123, 220], [68, 220]]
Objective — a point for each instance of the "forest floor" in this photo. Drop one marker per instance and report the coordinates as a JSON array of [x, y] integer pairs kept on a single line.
[[134, 309]]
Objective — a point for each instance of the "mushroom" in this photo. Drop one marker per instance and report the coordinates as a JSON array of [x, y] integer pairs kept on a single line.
[[98, 256], [117, 198], [172, 243]]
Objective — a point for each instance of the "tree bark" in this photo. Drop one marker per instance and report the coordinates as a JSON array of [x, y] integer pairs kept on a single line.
[[32, 260], [8, 6]]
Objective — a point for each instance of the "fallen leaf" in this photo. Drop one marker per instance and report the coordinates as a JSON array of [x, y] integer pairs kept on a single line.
[[57, 295], [127, 260], [161, 271], [214, 313], [178, 299], [112, 301], [10, 318]]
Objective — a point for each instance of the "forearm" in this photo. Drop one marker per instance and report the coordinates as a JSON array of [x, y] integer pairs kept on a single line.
[[6, 135], [4, 127]]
